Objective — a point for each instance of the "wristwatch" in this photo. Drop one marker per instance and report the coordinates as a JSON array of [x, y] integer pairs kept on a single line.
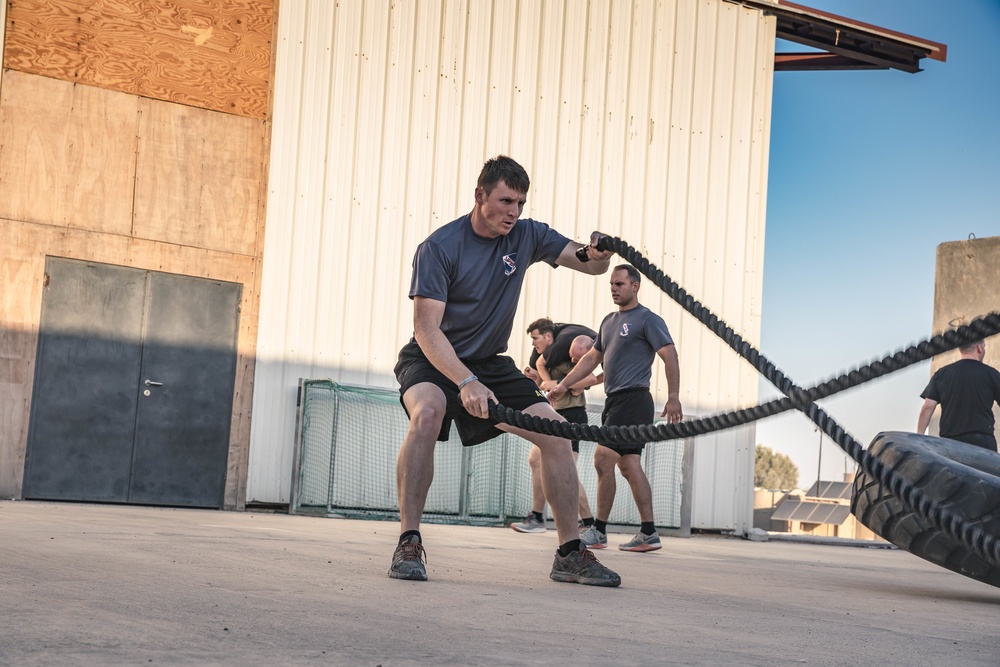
[[581, 254]]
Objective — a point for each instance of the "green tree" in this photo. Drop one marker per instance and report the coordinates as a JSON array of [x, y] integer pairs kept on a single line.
[[774, 471]]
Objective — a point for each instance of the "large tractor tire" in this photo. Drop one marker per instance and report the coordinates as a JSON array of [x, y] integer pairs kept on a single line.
[[963, 479]]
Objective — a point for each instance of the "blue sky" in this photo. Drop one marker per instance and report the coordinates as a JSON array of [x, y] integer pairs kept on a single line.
[[869, 172]]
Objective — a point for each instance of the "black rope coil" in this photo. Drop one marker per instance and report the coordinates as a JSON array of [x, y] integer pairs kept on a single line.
[[985, 545]]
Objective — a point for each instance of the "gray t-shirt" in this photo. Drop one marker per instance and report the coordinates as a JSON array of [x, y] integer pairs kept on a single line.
[[480, 279], [629, 340]]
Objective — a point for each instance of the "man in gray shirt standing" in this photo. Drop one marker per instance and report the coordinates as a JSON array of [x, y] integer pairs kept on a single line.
[[627, 342], [467, 278]]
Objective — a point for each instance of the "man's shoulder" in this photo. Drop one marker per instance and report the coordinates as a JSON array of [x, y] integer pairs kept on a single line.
[[650, 316], [966, 365], [525, 223], [450, 232], [638, 314], [966, 368], [573, 330], [647, 312], [540, 232]]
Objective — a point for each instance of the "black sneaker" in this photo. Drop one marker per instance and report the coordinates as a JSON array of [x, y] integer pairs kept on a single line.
[[408, 561], [582, 567]]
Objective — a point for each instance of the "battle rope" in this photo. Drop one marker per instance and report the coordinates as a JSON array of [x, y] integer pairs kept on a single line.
[[985, 545]]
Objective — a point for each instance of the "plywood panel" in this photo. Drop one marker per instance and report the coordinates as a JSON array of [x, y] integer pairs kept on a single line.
[[213, 54], [67, 154], [199, 177], [3, 22], [23, 248]]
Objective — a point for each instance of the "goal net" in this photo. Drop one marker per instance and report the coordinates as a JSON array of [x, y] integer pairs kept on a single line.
[[348, 438]]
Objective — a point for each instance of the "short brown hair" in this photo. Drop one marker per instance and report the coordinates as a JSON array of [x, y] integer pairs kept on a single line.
[[970, 346], [633, 273], [503, 168], [543, 324]]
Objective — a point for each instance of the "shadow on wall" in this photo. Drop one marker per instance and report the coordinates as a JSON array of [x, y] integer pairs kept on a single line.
[[126, 419]]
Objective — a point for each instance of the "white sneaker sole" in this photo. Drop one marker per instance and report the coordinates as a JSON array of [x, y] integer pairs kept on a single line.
[[536, 531]]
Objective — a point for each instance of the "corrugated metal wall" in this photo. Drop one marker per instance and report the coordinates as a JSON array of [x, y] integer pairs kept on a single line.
[[643, 119]]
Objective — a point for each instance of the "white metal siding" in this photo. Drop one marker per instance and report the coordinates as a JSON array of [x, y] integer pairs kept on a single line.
[[646, 119]]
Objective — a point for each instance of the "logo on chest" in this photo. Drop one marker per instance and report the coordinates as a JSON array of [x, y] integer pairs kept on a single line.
[[625, 327], [509, 266]]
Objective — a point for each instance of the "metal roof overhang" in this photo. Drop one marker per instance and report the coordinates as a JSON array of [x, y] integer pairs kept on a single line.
[[846, 44]]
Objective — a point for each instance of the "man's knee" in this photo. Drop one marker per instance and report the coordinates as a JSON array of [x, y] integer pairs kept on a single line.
[[548, 446], [604, 460], [535, 458], [630, 466], [425, 421]]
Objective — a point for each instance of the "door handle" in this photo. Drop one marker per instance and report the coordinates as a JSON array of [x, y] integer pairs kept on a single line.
[[150, 383]]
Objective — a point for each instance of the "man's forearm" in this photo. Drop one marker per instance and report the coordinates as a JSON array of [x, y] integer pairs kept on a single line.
[[438, 350], [926, 412], [586, 383], [923, 420], [582, 369], [672, 368]]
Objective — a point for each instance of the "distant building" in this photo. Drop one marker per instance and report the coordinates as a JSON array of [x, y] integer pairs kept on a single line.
[[824, 511]]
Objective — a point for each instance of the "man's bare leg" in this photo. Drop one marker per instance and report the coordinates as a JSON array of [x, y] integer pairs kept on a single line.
[[537, 492], [647, 539], [425, 403], [631, 467], [574, 563], [560, 482], [604, 462], [584, 505], [535, 521]]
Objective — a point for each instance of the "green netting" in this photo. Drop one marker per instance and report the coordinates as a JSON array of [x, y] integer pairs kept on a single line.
[[346, 466]]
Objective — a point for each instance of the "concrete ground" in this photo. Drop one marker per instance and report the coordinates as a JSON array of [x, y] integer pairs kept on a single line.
[[112, 585]]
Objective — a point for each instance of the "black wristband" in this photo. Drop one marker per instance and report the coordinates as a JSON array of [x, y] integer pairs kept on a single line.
[[581, 254]]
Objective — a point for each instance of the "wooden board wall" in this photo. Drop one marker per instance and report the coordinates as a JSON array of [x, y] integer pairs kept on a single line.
[[98, 175], [212, 54], [64, 154], [82, 157]]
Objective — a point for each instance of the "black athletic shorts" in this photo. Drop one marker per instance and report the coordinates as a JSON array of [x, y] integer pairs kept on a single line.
[[577, 415], [499, 373], [628, 407]]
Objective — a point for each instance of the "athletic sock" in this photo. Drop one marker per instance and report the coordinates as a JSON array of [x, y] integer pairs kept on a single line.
[[601, 526], [589, 521], [537, 515], [408, 534], [569, 547], [647, 528]]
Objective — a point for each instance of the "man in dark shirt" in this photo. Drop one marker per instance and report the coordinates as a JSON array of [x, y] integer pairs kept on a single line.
[[551, 359], [966, 390]]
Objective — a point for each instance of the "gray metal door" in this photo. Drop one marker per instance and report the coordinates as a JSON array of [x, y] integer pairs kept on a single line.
[[186, 402], [133, 387], [86, 382]]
